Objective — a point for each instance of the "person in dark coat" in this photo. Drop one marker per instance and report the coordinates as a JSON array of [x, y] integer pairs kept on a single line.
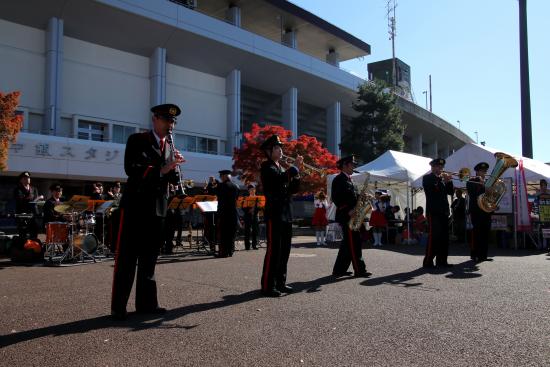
[[48, 211], [250, 219], [437, 187], [143, 208], [344, 195], [227, 193], [278, 185], [26, 196], [481, 220], [458, 208]]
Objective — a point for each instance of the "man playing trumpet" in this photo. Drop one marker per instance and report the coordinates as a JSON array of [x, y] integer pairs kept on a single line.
[[437, 186], [278, 186]]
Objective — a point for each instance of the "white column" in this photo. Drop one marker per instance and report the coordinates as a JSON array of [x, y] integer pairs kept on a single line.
[[157, 76], [334, 123], [433, 149], [233, 15], [233, 94], [290, 111], [446, 151], [289, 38], [416, 144], [54, 63]]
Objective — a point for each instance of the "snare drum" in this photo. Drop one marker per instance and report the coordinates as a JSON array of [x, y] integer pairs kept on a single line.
[[57, 232], [85, 242]]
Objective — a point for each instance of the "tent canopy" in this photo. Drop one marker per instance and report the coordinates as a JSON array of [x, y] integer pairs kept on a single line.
[[471, 154], [397, 166]]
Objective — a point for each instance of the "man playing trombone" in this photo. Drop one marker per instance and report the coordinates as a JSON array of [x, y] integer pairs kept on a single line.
[[278, 185]]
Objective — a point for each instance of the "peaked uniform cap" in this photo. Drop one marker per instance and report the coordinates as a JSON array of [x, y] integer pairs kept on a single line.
[[481, 166], [271, 142], [167, 111], [437, 162]]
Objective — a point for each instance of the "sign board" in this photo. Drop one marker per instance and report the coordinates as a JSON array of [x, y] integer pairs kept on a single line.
[[506, 203], [544, 208]]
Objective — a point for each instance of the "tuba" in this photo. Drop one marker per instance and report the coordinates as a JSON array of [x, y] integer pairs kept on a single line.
[[363, 206], [494, 186]]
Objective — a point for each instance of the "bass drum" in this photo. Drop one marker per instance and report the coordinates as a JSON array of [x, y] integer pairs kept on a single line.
[[85, 242]]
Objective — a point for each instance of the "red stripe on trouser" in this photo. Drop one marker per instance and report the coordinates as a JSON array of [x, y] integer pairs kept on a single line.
[[267, 255], [352, 250], [430, 238], [117, 250]]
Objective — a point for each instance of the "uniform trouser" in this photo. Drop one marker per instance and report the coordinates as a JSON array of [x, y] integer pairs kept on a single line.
[[481, 226], [350, 252], [250, 227], [139, 241], [169, 229], [279, 237], [438, 240], [227, 229]]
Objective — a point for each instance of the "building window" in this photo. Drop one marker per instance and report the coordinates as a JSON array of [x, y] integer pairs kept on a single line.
[[196, 144], [121, 133], [88, 130]]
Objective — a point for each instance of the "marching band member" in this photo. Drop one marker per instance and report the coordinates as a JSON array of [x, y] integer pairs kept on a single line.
[[251, 221], [278, 186], [25, 194], [50, 215], [227, 193], [150, 170], [437, 187], [344, 195], [377, 219], [481, 220]]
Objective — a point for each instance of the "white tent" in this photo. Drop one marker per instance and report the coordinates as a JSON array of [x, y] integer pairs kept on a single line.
[[471, 154], [394, 171]]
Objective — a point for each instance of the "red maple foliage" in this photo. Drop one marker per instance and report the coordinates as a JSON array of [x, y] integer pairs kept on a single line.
[[248, 158], [10, 124]]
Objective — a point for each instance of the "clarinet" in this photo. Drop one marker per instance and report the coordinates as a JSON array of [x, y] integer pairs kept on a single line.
[[180, 191]]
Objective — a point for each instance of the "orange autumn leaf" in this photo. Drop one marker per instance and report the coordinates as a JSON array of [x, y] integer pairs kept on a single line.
[[10, 124]]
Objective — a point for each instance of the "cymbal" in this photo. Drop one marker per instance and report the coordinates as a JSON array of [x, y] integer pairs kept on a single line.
[[68, 208]]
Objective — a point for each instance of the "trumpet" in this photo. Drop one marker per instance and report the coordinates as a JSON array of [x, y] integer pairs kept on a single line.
[[307, 168], [463, 174]]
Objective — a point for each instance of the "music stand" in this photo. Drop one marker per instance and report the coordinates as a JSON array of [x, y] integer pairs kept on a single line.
[[207, 206], [103, 208]]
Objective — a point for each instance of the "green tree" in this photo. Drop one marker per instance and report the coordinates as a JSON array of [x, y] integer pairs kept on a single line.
[[378, 127]]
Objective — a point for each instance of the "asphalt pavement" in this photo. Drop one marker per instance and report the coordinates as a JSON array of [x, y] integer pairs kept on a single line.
[[489, 314]]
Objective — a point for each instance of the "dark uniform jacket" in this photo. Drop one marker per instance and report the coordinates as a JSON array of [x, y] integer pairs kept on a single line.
[[344, 195], [50, 215], [436, 192], [278, 186], [474, 190], [23, 197], [227, 193], [146, 190]]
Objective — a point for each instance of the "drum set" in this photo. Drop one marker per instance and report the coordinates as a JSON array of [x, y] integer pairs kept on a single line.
[[76, 238]]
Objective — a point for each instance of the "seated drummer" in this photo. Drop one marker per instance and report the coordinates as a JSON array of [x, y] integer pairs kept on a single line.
[[50, 215]]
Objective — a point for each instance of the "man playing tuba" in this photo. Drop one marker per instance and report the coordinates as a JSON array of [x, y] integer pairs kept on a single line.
[[481, 220]]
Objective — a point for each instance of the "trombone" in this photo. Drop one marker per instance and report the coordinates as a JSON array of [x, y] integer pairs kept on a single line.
[[307, 168]]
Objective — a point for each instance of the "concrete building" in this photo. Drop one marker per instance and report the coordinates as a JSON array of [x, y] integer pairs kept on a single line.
[[89, 70]]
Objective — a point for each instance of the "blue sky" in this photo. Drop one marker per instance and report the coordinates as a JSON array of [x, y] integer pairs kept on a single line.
[[471, 49]]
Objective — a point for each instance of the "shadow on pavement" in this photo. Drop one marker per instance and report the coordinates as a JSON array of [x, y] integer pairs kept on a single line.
[[465, 270], [315, 285], [135, 322]]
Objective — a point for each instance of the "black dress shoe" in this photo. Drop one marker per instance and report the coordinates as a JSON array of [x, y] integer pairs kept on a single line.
[[428, 266], [363, 274], [285, 289], [271, 293], [152, 311], [343, 274], [119, 315]]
